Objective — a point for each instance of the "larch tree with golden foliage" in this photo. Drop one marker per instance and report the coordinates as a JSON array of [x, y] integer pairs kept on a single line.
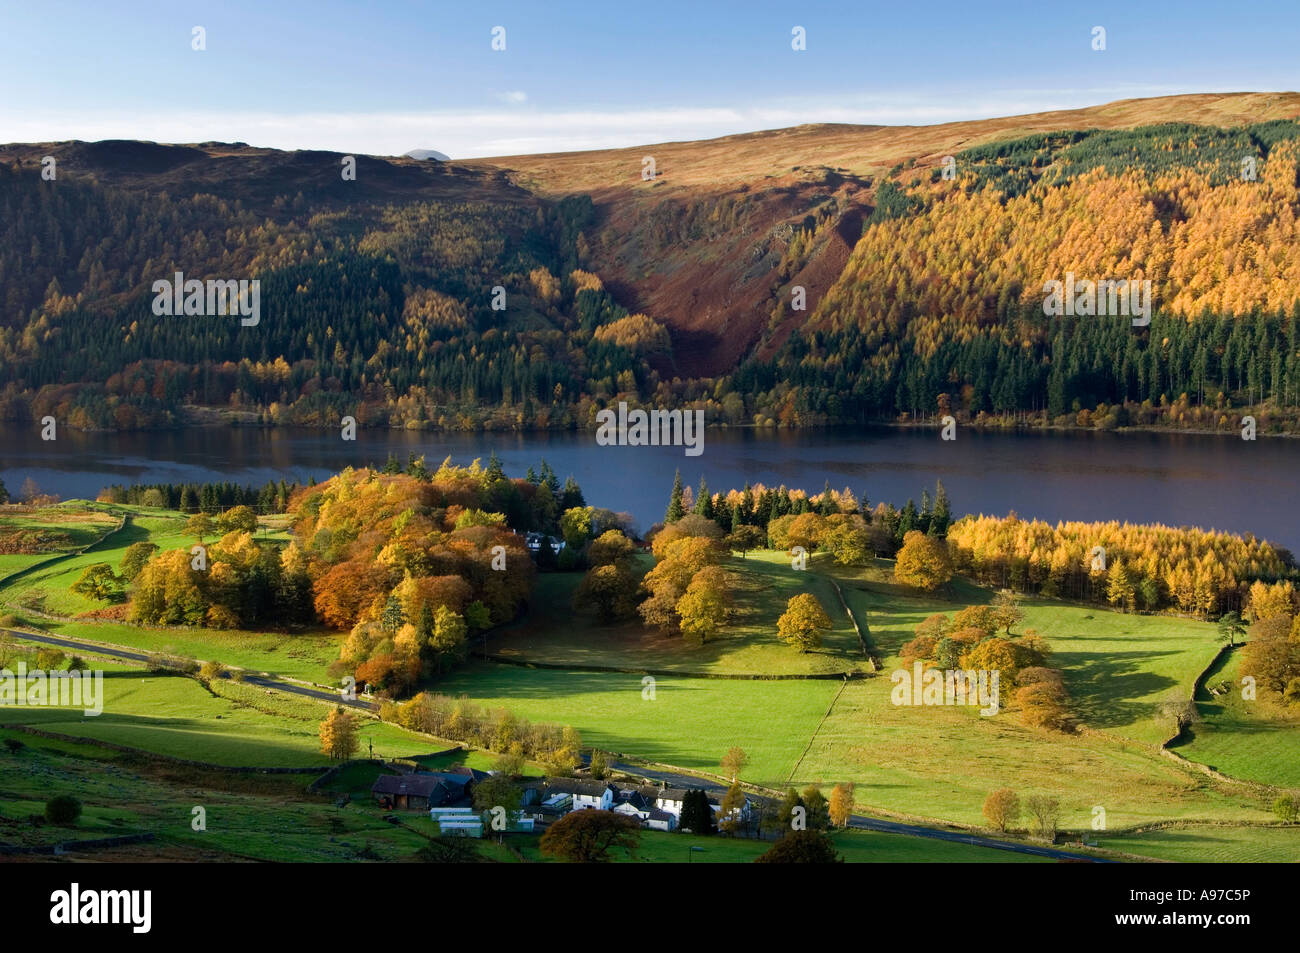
[[338, 734], [841, 804], [1002, 809]]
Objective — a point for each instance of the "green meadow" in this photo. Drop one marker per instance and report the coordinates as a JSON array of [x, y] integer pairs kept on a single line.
[[177, 716], [77, 526], [1206, 843], [552, 633], [689, 722], [1118, 667], [1252, 739]]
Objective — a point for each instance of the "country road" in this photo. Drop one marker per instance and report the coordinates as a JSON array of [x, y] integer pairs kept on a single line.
[[861, 821], [264, 681], [858, 821]]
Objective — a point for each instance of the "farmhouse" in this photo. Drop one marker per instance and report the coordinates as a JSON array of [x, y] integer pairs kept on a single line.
[[582, 795], [423, 790], [642, 806]]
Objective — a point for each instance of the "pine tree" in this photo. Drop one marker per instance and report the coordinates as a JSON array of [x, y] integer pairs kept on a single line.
[[906, 521], [675, 511], [697, 815], [941, 516], [703, 502], [572, 494]]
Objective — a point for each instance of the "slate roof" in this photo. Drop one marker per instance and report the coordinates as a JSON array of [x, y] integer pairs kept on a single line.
[[579, 786], [412, 785]]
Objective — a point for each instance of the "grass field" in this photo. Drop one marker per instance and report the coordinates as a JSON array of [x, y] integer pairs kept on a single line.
[[1212, 843], [80, 526], [256, 817], [302, 655], [1256, 740], [690, 723], [176, 716], [554, 634], [942, 762], [1117, 667]]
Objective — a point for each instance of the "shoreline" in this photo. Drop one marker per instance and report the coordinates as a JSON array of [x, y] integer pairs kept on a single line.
[[220, 420]]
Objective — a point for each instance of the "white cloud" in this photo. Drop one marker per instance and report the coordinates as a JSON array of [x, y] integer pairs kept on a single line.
[[516, 97], [475, 134]]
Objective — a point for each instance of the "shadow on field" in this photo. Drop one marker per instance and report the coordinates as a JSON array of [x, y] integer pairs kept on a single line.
[[1101, 686]]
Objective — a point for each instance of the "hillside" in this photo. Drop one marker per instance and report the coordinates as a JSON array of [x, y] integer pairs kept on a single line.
[[922, 293]]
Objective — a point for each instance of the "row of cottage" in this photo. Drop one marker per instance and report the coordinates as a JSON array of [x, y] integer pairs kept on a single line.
[[657, 808]]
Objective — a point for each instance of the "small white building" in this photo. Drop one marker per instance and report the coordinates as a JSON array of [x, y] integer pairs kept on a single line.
[[585, 795]]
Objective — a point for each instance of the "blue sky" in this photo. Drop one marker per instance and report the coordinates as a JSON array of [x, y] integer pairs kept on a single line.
[[387, 77]]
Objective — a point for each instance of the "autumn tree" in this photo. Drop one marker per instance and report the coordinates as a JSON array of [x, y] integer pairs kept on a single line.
[[98, 582], [134, 559], [803, 622], [608, 592], [590, 836], [985, 618], [702, 609], [1007, 611], [743, 538], [841, 804], [1120, 588], [1042, 698], [1271, 654], [730, 809], [575, 526], [849, 543], [338, 734], [801, 847], [199, 526], [611, 548], [923, 562], [237, 519], [1002, 808], [734, 762]]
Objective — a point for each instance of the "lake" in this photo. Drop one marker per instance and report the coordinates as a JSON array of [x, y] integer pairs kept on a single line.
[[1221, 482]]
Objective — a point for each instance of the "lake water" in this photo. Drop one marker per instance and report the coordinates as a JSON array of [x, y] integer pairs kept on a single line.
[[1181, 479]]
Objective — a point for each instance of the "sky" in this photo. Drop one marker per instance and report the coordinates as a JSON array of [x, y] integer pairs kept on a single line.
[[383, 78]]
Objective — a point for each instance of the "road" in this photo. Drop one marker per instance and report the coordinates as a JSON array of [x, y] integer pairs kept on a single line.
[[861, 821], [857, 821], [264, 681]]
